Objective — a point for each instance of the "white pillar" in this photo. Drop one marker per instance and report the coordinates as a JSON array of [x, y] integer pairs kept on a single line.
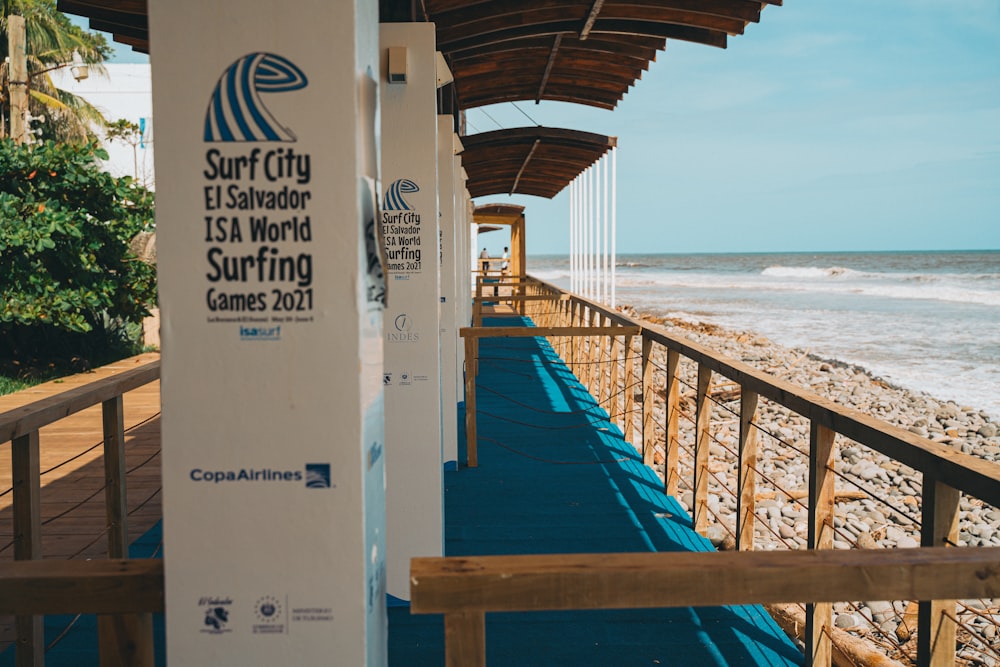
[[614, 225], [414, 493], [270, 288], [462, 253], [449, 291], [606, 224]]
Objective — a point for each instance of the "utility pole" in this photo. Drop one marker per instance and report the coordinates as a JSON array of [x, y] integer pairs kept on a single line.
[[18, 77]]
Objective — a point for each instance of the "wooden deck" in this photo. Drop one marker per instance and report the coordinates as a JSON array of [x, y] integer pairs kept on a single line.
[[73, 513]]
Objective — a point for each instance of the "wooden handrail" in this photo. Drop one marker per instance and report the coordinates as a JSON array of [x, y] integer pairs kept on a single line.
[[81, 586], [123, 594], [698, 579], [38, 414], [465, 588]]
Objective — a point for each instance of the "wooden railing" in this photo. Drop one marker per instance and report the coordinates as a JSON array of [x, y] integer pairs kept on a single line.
[[593, 337], [465, 588], [123, 592]]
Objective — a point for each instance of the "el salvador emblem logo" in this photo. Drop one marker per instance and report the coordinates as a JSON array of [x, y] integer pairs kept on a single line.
[[236, 112], [394, 200]]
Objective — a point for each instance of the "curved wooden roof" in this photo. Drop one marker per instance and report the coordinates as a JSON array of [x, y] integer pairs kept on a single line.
[[538, 161], [583, 51]]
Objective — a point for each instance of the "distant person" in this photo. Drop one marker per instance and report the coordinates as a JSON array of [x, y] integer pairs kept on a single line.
[[506, 255], [484, 266]]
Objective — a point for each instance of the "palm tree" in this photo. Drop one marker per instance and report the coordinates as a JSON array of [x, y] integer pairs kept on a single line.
[[51, 44]]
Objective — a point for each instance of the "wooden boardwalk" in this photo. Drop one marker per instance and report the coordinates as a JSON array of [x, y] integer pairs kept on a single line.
[[73, 514]]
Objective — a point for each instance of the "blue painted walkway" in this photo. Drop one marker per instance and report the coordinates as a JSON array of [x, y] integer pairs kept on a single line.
[[555, 476]]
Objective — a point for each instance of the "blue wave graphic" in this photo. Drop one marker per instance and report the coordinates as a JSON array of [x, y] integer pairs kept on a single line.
[[394, 200], [236, 112]]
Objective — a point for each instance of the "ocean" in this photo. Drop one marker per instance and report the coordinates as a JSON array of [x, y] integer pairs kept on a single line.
[[927, 321]]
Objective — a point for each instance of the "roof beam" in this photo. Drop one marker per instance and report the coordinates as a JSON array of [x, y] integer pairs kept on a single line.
[[520, 171], [548, 67], [595, 9]]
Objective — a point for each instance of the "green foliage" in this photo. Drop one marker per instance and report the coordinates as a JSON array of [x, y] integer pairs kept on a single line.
[[69, 284]]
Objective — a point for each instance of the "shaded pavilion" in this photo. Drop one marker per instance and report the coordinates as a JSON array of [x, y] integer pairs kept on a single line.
[[587, 52]]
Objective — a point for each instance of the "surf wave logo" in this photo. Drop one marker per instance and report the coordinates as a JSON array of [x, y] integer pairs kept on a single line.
[[236, 111], [394, 199]]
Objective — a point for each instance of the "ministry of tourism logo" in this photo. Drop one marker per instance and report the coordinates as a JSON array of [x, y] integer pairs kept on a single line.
[[269, 615], [403, 322], [236, 111], [394, 199]]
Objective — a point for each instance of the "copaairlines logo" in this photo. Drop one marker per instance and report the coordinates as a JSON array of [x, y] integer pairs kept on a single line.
[[236, 112]]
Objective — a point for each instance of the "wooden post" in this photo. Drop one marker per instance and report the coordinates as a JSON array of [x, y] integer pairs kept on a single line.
[[648, 403], [114, 477], [18, 77], [471, 363], [671, 441], [124, 639], [477, 304], [938, 527], [465, 639], [819, 615], [27, 503], [602, 366], [747, 483], [613, 380], [576, 355], [629, 430], [703, 417], [593, 356]]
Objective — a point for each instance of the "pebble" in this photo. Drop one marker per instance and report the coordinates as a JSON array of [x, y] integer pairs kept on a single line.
[[868, 523]]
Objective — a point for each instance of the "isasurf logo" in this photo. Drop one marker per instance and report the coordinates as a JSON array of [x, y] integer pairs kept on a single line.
[[236, 111], [394, 199], [260, 333]]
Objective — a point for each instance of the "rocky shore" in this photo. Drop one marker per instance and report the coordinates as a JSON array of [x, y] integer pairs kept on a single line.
[[878, 499]]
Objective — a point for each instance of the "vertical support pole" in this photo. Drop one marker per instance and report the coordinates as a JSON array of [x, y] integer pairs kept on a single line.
[[747, 471], [27, 503], [613, 388], [819, 615], [703, 423], [471, 368], [648, 403], [938, 527], [603, 391], [614, 224], [115, 498], [465, 639], [671, 442], [18, 77], [593, 356], [126, 640], [629, 390], [123, 639], [572, 236]]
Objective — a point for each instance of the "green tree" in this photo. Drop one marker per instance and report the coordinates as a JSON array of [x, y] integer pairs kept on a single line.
[[51, 42], [69, 284]]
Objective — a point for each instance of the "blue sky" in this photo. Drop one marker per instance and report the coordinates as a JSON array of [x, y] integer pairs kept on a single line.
[[847, 125]]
